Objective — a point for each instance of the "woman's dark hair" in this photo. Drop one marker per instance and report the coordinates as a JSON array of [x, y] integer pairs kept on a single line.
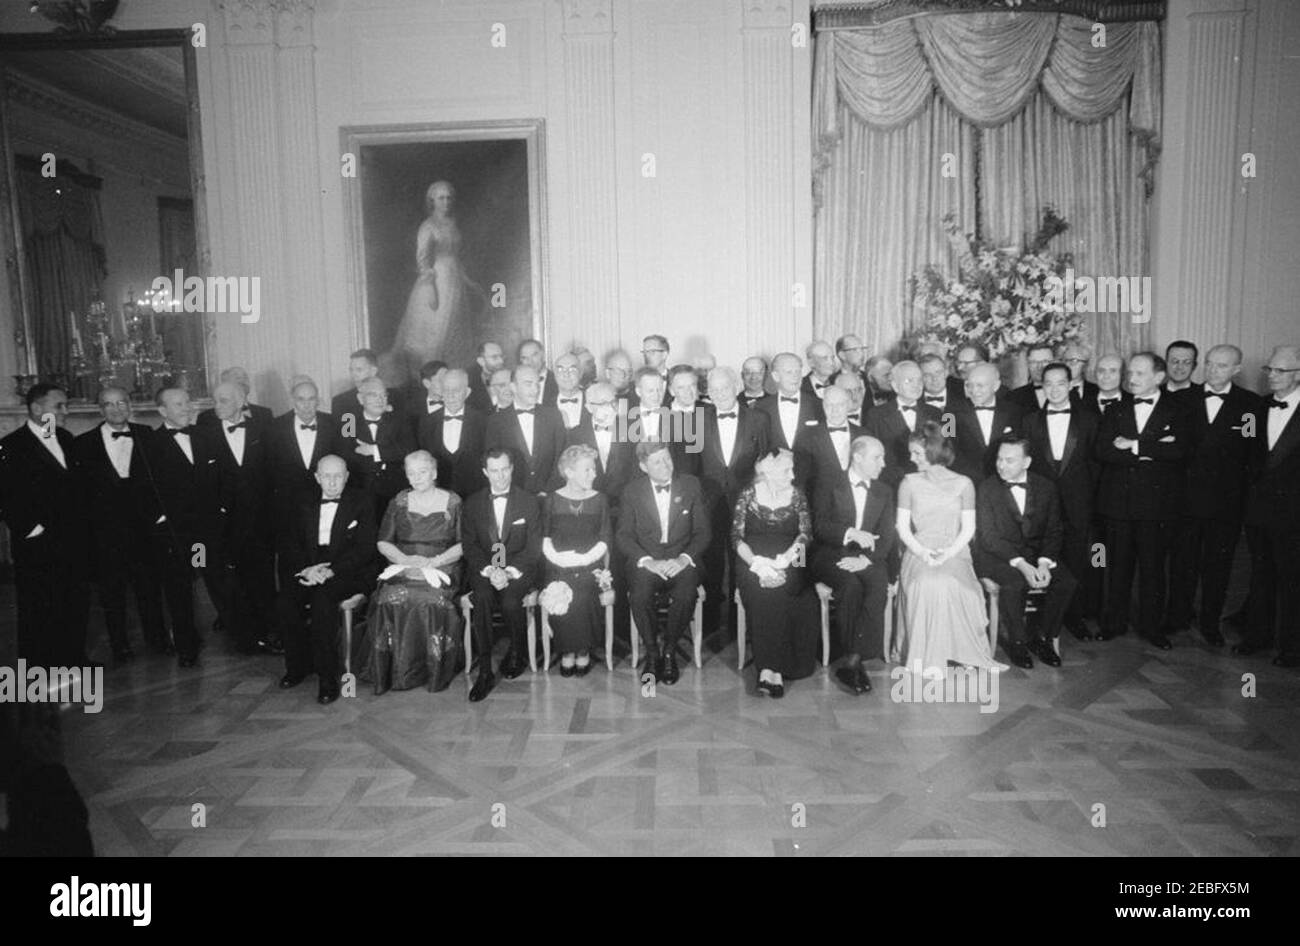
[[939, 450]]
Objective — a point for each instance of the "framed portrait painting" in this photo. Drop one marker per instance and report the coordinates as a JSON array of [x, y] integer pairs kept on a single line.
[[445, 225]]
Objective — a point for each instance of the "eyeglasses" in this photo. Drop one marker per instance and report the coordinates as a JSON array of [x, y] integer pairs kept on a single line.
[[654, 351], [1076, 361], [1269, 369], [567, 369]]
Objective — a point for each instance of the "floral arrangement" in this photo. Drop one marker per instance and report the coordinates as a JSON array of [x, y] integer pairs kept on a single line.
[[1002, 298], [605, 581], [556, 598]]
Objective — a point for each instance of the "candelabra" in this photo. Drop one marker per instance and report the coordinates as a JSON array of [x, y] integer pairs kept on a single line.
[[132, 356]]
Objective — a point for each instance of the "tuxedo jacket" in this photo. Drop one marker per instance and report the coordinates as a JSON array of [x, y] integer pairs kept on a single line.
[[1076, 473], [806, 386], [720, 478], [956, 390], [749, 400], [480, 398], [352, 552], [951, 402], [1150, 486], [687, 457], [186, 493], [639, 529], [975, 456], [1026, 396], [885, 422], [118, 508], [817, 458], [347, 403], [416, 409], [810, 415], [1187, 396], [1092, 404], [1273, 493], [38, 490], [535, 470], [834, 512], [613, 475], [244, 489], [1216, 469], [254, 412], [1003, 533], [461, 471], [291, 479], [483, 544], [550, 390], [393, 436]]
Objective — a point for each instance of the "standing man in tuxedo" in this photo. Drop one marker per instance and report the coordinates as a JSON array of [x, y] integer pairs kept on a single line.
[[878, 370], [856, 389], [1110, 386], [821, 368], [44, 507], [968, 356], [569, 394], [685, 419], [501, 536], [980, 422], [256, 412], [618, 374], [530, 354], [501, 391], [1182, 357], [245, 569], [298, 440], [376, 441], [109, 458], [938, 390], [753, 377], [654, 352], [534, 433], [186, 517], [854, 528], [645, 417], [663, 532], [615, 457], [1018, 545], [1062, 444], [824, 451], [892, 422], [852, 354], [425, 400], [1076, 357], [1225, 420], [790, 413], [1143, 448], [1030, 397], [454, 436], [1273, 516], [490, 360], [329, 553], [363, 366]]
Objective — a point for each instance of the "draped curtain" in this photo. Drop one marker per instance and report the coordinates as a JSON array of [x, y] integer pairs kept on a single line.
[[63, 251], [990, 116]]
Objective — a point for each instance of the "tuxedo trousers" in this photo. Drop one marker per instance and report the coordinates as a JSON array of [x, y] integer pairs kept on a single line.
[[1202, 555], [644, 589], [509, 601], [311, 638], [173, 561], [1141, 547], [122, 561], [860, 601], [1076, 552], [243, 583], [1013, 589], [1273, 607], [53, 607]]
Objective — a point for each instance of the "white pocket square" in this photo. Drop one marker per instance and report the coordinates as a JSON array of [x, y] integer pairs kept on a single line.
[[517, 522], [810, 423], [213, 460], [352, 524], [1006, 430]]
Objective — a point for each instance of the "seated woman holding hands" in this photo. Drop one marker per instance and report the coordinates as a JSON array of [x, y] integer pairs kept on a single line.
[[770, 531], [413, 634], [575, 539]]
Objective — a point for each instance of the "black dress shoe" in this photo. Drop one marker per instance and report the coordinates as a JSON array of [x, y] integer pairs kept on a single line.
[[566, 670], [483, 685], [187, 661], [1286, 660], [1158, 639], [848, 678], [774, 690], [1018, 654], [326, 697], [671, 674], [1044, 651], [289, 681], [511, 666], [864, 681], [581, 670]]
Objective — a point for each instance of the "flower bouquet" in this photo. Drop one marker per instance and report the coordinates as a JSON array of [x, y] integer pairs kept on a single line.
[[605, 581], [556, 598]]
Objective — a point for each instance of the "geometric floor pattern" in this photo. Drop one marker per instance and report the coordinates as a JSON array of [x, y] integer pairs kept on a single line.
[[1180, 760]]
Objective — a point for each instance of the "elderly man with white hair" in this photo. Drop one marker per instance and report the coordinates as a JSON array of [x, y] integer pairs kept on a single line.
[[822, 365], [892, 422], [254, 412], [980, 421]]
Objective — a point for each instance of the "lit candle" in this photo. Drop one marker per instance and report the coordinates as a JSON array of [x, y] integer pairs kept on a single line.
[[76, 333]]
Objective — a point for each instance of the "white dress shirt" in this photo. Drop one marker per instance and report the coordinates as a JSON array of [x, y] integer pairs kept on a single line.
[[819, 387], [1214, 404], [1058, 428], [1142, 413], [859, 502], [1018, 495], [453, 425], [939, 400], [50, 443], [183, 441], [603, 439], [1279, 417], [306, 441], [727, 427], [840, 440], [373, 427], [570, 406], [499, 511], [118, 450], [985, 420], [326, 522], [526, 422], [235, 440], [789, 414], [649, 418], [909, 417], [663, 497]]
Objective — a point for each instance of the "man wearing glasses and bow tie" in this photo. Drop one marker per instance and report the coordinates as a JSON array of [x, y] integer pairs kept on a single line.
[[569, 396], [892, 422]]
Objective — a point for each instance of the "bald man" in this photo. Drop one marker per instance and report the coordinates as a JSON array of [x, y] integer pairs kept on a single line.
[[753, 379], [329, 553], [980, 420]]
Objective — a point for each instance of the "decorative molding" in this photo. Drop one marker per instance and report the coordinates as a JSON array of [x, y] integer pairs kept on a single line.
[[22, 89], [860, 14], [587, 17], [293, 23], [161, 74], [249, 22], [766, 14]]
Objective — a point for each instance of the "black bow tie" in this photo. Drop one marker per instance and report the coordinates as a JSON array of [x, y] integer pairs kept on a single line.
[[991, 407], [935, 398], [524, 410], [856, 417], [1058, 410], [1273, 402], [122, 433], [231, 428], [663, 489], [789, 400], [448, 418], [180, 430], [907, 407], [496, 496], [1018, 486], [600, 428], [860, 485], [817, 385], [1108, 400], [569, 400], [1210, 394], [729, 415], [838, 430], [326, 502], [434, 405], [1144, 400], [306, 426]]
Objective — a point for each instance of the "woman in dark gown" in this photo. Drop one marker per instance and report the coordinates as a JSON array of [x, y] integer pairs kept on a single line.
[[576, 539], [770, 531], [413, 635]]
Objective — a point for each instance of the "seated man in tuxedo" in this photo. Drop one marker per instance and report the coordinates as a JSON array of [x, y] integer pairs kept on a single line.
[[1062, 443], [532, 432], [363, 366], [1030, 397], [454, 436], [980, 422], [501, 538], [568, 394], [753, 377], [663, 532], [824, 452], [1018, 545], [44, 507], [109, 459], [855, 532], [892, 422], [329, 553], [254, 412], [490, 360], [377, 441], [822, 366], [791, 413]]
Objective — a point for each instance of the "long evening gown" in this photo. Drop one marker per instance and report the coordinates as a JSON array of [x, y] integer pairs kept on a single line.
[[576, 526], [784, 621], [413, 636], [942, 606]]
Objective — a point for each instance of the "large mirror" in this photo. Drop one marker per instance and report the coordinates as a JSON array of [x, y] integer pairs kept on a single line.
[[102, 195]]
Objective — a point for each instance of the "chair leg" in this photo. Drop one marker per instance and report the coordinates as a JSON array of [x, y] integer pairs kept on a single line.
[[740, 633], [636, 637], [546, 642], [888, 640], [532, 640], [467, 618], [993, 623], [697, 628], [609, 638], [824, 607]]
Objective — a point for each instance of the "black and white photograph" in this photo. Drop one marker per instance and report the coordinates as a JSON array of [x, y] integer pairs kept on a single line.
[[649, 429]]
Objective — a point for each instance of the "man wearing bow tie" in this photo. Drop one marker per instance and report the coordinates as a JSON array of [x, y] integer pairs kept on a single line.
[[568, 396], [856, 389], [185, 517], [980, 421], [1143, 448], [753, 377], [877, 371], [426, 399], [44, 507], [329, 554], [115, 477], [377, 442], [852, 355], [298, 440], [1031, 397], [892, 422], [821, 369], [1181, 357], [790, 413], [244, 573], [1018, 545], [501, 537], [454, 436], [1273, 516], [663, 532], [532, 432], [530, 354], [937, 389], [363, 366], [256, 412], [1109, 392], [490, 360], [1076, 357], [618, 374], [1062, 443], [685, 419], [824, 452]]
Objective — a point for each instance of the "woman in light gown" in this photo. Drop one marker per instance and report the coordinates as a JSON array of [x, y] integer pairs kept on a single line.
[[441, 319], [940, 599]]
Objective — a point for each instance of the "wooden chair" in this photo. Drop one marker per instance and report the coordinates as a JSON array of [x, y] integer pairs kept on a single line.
[[348, 607], [697, 632], [467, 611], [609, 635], [824, 598], [991, 589]]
